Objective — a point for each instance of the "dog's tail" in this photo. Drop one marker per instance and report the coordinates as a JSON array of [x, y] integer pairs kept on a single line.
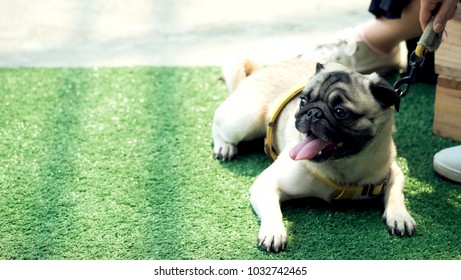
[[233, 72]]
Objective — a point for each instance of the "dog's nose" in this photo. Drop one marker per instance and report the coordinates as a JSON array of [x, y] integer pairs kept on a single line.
[[314, 114]]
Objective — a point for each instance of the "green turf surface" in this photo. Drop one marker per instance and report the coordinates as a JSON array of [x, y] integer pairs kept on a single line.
[[116, 164]]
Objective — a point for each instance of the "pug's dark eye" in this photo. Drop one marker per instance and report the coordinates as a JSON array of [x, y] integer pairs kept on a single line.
[[303, 101], [340, 113]]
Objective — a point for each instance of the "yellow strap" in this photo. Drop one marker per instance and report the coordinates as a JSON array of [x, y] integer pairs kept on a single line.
[[269, 143], [350, 191]]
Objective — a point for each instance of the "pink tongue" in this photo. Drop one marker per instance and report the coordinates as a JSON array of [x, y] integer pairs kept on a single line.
[[308, 148]]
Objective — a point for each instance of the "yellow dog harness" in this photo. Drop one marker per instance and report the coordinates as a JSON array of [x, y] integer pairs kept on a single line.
[[268, 142], [341, 191]]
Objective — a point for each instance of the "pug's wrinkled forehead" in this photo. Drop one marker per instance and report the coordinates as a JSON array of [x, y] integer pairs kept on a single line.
[[332, 77], [337, 80]]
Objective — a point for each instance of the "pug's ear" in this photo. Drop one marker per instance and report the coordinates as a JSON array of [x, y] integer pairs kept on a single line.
[[384, 93], [319, 67]]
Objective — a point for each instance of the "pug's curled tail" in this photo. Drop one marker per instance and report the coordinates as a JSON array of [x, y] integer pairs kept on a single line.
[[233, 72]]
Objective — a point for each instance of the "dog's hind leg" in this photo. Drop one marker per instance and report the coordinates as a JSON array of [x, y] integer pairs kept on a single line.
[[241, 117]]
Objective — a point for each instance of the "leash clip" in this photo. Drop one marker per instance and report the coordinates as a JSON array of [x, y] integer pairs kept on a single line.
[[402, 86]]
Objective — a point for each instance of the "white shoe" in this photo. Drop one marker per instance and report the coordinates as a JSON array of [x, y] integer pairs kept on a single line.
[[447, 163], [348, 49]]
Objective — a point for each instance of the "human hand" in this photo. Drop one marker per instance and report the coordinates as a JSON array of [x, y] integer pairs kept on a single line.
[[446, 12]]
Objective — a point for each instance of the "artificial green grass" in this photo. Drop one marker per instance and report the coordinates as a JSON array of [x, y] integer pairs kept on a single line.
[[115, 163]]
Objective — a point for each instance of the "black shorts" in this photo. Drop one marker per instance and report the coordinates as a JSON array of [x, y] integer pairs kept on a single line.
[[388, 8]]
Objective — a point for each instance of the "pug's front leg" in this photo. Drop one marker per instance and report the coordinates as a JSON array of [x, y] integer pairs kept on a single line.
[[396, 216], [265, 200]]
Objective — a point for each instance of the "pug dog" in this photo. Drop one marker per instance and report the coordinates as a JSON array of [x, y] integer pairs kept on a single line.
[[333, 140]]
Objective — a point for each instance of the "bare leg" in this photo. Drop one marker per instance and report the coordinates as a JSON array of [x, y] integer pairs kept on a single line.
[[383, 34]]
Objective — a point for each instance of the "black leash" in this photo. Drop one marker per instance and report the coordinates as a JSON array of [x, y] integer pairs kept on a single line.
[[429, 42], [402, 86]]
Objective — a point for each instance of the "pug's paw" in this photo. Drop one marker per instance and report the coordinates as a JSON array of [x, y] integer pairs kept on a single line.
[[272, 236], [223, 150], [399, 222]]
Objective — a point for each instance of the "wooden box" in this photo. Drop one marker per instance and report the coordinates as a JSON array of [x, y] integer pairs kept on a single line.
[[447, 111]]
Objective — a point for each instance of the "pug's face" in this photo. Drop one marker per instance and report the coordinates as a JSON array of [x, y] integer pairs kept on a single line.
[[340, 112]]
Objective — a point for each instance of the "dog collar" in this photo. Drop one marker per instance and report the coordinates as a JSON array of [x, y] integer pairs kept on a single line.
[[269, 148], [351, 191], [341, 191]]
